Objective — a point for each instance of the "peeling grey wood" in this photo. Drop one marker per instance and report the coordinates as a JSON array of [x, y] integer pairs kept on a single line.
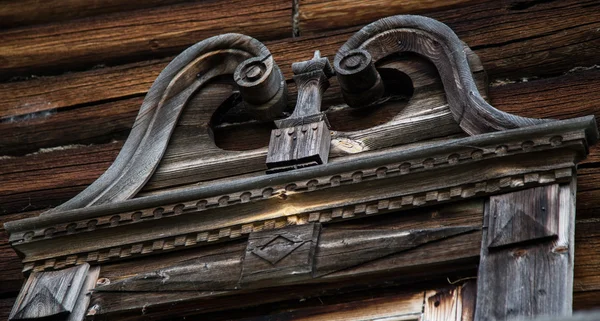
[[47, 294], [282, 257], [523, 216], [534, 276], [80, 309], [436, 41]]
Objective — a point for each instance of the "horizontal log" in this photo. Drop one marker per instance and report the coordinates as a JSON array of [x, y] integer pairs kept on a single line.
[[6, 305], [11, 277], [587, 300], [97, 124], [51, 177], [521, 57], [518, 38], [123, 36], [16, 13]]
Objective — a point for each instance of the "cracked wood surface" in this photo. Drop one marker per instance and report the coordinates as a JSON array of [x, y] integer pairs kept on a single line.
[[563, 36]]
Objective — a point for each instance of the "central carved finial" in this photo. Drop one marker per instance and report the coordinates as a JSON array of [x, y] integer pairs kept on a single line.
[[303, 139]]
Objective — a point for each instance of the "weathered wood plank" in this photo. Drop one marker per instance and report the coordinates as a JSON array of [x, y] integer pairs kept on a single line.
[[125, 35], [537, 98], [11, 276], [98, 124], [61, 174], [398, 266], [52, 177], [496, 30], [16, 13], [402, 306], [37, 95], [47, 294], [315, 15], [454, 303], [582, 316], [586, 300], [6, 305], [535, 277]]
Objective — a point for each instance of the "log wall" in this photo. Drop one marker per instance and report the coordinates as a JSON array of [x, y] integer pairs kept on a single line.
[[73, 75]]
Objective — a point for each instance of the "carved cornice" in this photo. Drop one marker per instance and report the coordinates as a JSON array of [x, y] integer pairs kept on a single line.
[[472, 167]]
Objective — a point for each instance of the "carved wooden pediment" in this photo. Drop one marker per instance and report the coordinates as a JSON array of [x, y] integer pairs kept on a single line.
[[324, 202]]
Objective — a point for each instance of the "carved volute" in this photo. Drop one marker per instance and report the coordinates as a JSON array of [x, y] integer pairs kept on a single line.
[[178, 226]]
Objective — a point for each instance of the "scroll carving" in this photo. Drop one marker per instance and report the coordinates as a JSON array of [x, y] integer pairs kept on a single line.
[[262, 87], [433, 40]]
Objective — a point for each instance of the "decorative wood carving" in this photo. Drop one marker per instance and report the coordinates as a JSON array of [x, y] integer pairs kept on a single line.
[[523, 216], [437, 42], [472, 167], [285, 256], [192, 69], [47, 294], [249, 236]]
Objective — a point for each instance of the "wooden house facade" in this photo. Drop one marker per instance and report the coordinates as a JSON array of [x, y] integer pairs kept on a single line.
[[298, 160]]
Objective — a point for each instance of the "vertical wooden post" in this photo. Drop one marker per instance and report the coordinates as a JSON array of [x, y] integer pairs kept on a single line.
[[451, 304], [526, 267], [61, 294]]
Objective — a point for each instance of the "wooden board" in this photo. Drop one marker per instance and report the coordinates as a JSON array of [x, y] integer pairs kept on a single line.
[[489, 27], [18, 13], [123, 36]]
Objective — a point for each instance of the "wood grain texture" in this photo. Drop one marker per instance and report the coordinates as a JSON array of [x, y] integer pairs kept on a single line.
[[532, 279], [582, 316], [437, 42], [548, 32], [49, 294], [398, 306], [381, 169], [396, 265], [147, 142], [556, 46], [280, 256], [523, 216], [59, 175], [14, 13], [124, 36], [455, 303]]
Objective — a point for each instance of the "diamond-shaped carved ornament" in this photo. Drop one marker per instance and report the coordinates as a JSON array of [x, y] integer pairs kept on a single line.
[[282, 255]]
